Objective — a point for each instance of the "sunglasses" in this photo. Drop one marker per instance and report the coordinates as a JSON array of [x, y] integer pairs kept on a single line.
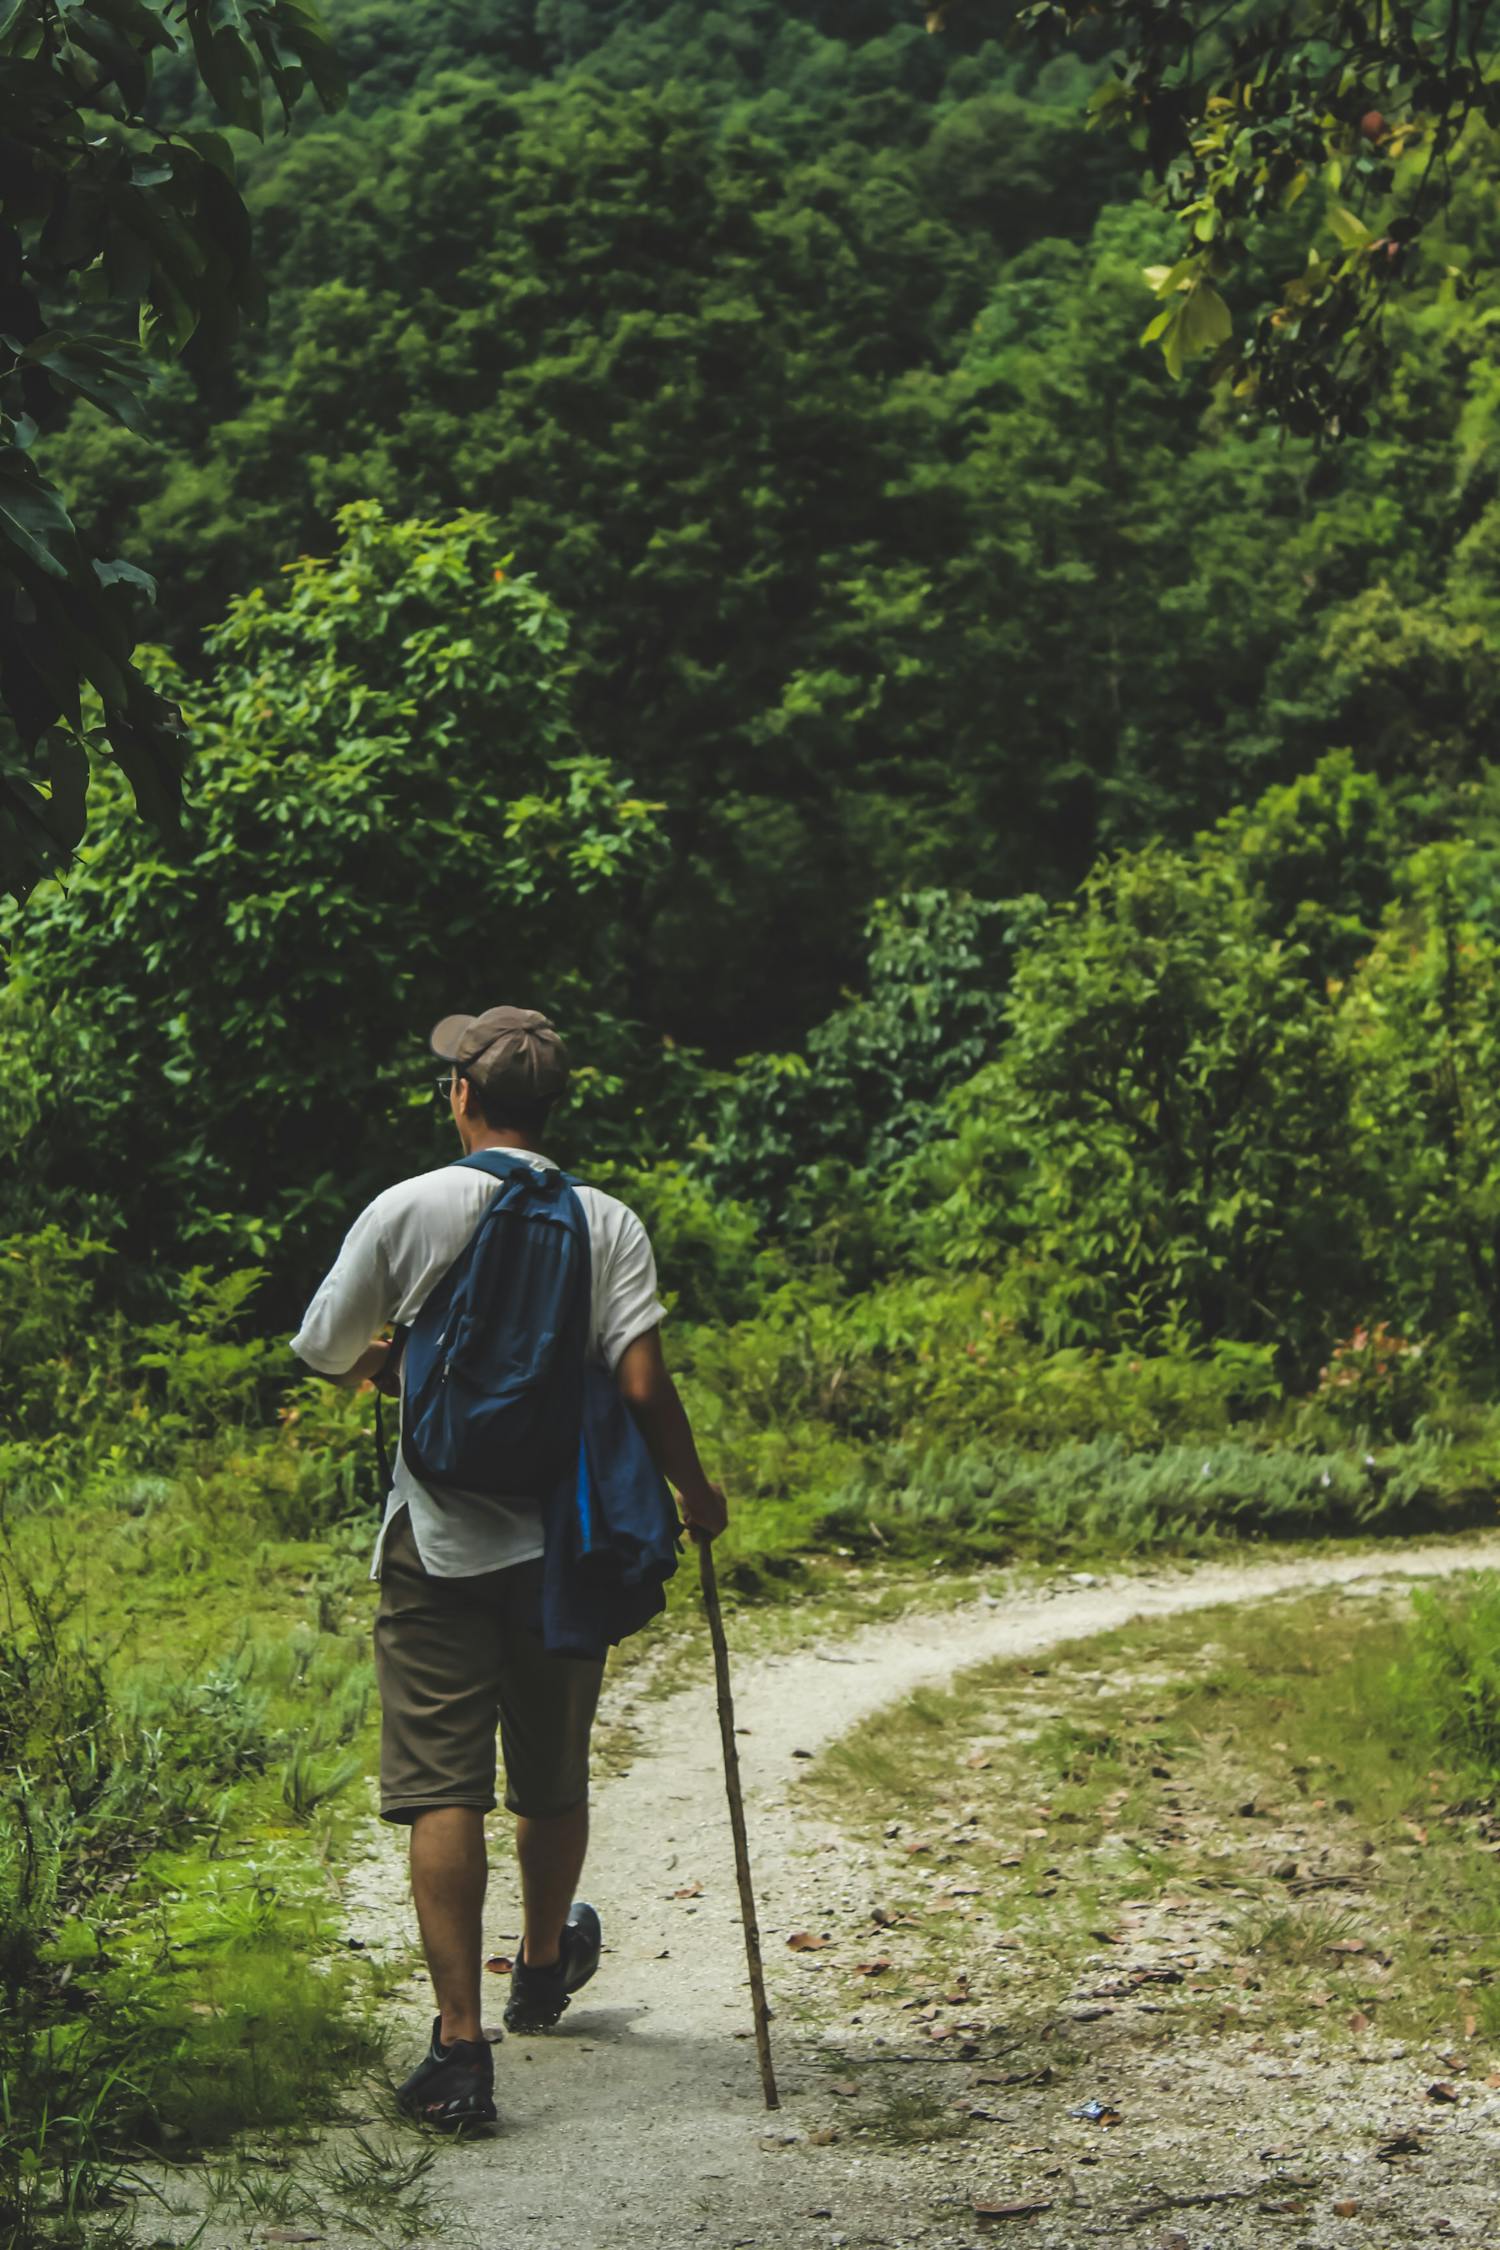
[[444, 1084]]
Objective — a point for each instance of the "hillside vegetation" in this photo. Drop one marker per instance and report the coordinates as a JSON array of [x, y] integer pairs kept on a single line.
[[1013, 847]]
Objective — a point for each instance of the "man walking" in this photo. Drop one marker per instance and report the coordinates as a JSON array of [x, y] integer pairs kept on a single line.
[[458, 1634]]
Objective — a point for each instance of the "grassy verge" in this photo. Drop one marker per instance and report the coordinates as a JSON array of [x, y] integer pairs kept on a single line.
[[1297, 1801], [185, 1713]]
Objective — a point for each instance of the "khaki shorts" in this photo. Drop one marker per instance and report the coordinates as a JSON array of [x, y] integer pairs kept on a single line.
[[455, 1657]]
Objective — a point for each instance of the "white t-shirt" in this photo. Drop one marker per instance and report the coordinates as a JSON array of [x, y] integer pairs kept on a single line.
[[397, 1249]]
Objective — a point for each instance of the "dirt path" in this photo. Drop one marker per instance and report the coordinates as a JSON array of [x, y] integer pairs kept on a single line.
[[639, 2121]]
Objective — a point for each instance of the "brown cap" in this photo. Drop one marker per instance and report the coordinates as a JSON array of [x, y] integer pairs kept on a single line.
[[511, 1049]]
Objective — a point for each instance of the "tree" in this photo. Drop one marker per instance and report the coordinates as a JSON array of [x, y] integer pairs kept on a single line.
[[1421, 1031], [112, 221], [862, 1093], [1163, 1140], [1245, 110], [390, 818]]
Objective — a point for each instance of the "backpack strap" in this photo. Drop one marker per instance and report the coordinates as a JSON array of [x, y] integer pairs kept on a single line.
[[504, 1164]]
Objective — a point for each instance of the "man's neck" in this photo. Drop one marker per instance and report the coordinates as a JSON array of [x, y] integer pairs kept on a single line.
[[489, 1137]]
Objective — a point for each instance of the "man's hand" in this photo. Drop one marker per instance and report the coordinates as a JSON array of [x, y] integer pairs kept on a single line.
[[366, 1369], [705, 1510]]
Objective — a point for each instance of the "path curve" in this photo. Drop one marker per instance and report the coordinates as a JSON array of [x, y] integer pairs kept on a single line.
[[639, 2121]]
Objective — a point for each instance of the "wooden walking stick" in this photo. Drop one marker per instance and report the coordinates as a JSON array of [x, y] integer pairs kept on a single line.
[[737, 1820]]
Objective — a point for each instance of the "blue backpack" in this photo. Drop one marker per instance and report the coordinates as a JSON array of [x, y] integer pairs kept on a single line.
[[494, 1364]]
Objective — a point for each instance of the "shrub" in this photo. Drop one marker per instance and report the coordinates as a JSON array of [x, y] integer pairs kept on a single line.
[[49, 1362], [712, 1262], [1166, 1126]]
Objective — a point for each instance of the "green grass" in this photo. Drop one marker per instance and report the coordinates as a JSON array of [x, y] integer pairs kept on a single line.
[[187, 1712], [1287, 1772]]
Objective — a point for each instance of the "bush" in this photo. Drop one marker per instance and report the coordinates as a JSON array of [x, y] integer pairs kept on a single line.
[[1166, 1127], [711, 1257], [51, 1376]]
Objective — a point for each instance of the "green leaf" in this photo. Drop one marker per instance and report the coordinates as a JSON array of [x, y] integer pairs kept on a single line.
[[1206, 321], [33, 520], [112, 376], [1351, 231], [68, 774], [119, 573]]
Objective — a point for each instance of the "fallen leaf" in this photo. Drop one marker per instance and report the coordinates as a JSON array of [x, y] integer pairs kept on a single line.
[[1348, 2209], [806, 1941], [289, 2234], [499, 1964], [844, 2087], [1471, 2025], [978, 1759], [871, 1968], [1359, 2021], [1415, 1828], [689, 1890], [1401, 2144], [1442, 2092], [824, 2137], [882, 1917], [1347, 1945], [987, 2211]]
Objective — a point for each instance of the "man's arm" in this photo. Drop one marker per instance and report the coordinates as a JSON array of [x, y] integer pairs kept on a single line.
[[353, 1304], [649, 1391]]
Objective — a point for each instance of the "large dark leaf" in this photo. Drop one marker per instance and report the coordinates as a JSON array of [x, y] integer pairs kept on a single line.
[[34, 524], [112, 376]]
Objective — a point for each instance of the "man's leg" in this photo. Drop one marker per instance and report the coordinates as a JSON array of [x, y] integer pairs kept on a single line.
[[550, 1848], [448, 1873]]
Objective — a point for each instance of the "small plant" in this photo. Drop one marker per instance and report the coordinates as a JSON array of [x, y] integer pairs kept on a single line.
[[1374, 1379], [305, 1785]]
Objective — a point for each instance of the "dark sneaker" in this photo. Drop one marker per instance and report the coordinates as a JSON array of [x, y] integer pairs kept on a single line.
[[539, 1996], [453, 2087]]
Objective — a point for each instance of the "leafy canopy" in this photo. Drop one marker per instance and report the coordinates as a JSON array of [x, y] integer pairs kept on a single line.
[[1350, 110], [389, 818]]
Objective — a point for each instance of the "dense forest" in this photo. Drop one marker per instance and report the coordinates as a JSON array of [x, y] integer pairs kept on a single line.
[[1012, 840]]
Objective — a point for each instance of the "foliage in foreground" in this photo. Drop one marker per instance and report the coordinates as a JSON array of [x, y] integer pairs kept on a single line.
[[1243, 113], [166, 1967], [120, 221]]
